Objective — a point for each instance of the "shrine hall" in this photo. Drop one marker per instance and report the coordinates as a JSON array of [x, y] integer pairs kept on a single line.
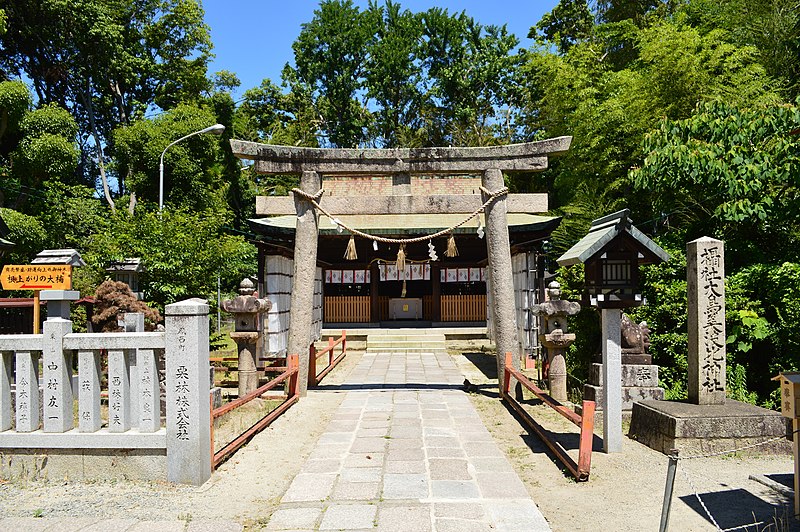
[[433, 287]]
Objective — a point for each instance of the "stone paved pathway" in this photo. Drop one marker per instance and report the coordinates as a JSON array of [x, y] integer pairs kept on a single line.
[[406, 451]]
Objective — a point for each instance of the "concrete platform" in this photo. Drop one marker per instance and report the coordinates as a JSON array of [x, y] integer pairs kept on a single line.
[[703, 429]]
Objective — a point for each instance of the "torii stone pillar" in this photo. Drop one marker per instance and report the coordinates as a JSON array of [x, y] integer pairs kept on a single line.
[[498, 249], [305, 268]]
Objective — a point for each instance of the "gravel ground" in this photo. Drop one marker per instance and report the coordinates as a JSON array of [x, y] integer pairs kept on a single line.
[[624, 492]]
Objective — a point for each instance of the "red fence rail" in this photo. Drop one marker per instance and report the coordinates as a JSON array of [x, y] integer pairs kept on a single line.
[[313, 377], [585, 422], [289, 375]]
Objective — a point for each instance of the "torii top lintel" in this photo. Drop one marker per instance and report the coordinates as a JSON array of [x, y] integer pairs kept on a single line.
[[525, 157]]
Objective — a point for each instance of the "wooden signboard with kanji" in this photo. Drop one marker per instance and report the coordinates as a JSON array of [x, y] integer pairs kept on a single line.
[[36, 277]]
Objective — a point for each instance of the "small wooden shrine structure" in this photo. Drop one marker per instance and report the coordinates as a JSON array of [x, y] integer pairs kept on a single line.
[[430, 199]]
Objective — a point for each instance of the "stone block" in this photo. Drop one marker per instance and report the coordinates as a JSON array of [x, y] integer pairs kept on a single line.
[[699, 429], [405, 486], [84, 464], [28, 394], [705, 288], [630, 394], [454, 489], [448, 469], [119, 399], [403, 518], [188, 412], [6, 377], [348, 517], [89, 391], [632, 375], [56, 377]]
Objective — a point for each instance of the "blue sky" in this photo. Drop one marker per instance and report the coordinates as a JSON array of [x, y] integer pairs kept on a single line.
[[253, 38]]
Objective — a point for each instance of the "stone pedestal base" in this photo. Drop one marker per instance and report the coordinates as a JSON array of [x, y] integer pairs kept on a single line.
[[630, 394], [639, 383], [702, 429]]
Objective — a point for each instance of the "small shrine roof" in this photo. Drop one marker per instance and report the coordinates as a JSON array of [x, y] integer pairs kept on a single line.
[[603, 231], [126, 265], [67, 256]]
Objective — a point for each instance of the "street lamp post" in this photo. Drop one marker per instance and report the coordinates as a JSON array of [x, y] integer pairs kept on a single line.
[[216, 129]]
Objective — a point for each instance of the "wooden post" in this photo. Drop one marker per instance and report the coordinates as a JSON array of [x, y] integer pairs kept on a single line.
[[312, 366], [374, 310], [305, 269], [436, 293], [36, 312], [506, 376], [502, 285], [796, 449], [292, 363], [330, 350]]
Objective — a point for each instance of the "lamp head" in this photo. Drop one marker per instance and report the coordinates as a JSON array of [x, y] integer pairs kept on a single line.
[[216, 129]]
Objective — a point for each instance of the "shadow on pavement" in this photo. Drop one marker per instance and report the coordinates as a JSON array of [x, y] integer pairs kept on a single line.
[[739, 509]]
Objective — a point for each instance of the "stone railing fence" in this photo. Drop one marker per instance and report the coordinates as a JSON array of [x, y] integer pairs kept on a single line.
[[39, 391]]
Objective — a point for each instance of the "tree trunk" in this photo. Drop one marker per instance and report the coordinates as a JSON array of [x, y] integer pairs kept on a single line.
[[87, 96]]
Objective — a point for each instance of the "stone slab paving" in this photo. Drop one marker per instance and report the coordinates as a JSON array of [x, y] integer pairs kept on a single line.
[[69, 524], [406, 450]]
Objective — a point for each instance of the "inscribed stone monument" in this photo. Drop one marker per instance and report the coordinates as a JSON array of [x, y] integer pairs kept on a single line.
[[705, 271]]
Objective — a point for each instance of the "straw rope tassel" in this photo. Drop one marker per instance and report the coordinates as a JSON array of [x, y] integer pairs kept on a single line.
[[401, 259], [452, 250], [351, 254]]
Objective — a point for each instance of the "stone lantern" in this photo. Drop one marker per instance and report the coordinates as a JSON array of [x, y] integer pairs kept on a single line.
[[611, 253], [247, 309], [554, 336]]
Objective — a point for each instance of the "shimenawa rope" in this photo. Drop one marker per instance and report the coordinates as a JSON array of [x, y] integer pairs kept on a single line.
[[314, 199]]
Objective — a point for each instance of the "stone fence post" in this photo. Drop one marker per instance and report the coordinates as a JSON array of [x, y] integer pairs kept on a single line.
[[188, 412]]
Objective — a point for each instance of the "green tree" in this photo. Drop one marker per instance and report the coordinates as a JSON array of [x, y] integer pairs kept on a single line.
[[26, 232], [740, 165], [393, 76], [183, 251], [107, 62], [192, 175], [471, 76], [772, 27], [329, 55], [567, 24]]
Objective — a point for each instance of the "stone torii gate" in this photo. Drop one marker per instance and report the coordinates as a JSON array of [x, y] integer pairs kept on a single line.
[[489, 162]]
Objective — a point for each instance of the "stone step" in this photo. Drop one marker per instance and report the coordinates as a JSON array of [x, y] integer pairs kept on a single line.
[[406, 337], [423, 350], [405, 343]]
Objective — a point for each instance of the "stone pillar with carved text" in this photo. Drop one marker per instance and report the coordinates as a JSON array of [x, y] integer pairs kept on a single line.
[[305, 268], [705, 276], [188, 388], [500, 272]]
